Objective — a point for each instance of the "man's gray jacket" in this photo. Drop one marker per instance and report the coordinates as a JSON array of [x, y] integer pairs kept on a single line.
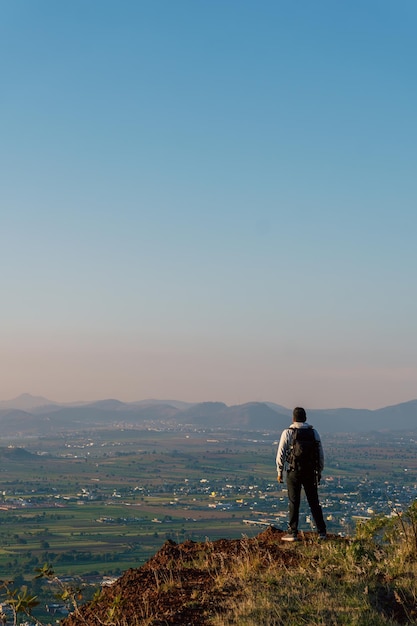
[[285, 443]]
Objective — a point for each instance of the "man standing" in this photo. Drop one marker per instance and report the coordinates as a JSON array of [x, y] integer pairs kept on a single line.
[[300, 454]]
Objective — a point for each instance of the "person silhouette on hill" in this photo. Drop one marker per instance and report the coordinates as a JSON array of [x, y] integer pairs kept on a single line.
[[300, 455]]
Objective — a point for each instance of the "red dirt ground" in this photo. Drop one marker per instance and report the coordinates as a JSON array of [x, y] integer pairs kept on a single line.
[[177, 587]]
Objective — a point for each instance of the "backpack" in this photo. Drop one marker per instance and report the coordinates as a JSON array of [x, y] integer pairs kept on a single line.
[[303, 453]]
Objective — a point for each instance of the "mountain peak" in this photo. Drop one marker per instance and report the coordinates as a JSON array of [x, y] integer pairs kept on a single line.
[[25, 401]]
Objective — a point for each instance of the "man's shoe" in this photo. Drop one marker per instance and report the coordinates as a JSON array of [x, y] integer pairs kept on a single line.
[[289, 537], [322, 536]]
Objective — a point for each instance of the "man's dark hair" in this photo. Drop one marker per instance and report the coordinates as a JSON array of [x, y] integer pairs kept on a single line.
[[299, 414]]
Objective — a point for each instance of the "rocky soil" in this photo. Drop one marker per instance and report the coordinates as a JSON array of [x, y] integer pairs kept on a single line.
[[179, 585]]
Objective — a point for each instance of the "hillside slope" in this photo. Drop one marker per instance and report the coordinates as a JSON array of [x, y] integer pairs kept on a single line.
[[260, 581]]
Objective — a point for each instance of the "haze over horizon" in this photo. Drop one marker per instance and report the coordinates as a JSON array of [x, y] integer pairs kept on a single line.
[[209, 202], [27, 400]]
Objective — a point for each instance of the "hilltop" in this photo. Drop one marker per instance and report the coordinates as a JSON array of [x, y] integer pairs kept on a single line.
[[262, 581]]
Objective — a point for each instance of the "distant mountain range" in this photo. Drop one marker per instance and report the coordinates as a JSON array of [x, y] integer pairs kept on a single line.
[[29, 415]]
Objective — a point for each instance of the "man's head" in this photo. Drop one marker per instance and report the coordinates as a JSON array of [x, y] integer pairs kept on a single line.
[[299, 414]]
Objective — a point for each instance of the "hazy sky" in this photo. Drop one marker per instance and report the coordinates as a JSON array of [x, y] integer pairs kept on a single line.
[[209, 200]]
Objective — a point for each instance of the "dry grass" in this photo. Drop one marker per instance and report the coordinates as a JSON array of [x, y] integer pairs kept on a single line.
[[368, 581]]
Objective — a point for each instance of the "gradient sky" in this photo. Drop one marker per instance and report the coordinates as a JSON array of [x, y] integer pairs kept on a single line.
[[209, 200]]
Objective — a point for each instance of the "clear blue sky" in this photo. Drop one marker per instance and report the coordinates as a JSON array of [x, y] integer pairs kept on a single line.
[[209, 200]]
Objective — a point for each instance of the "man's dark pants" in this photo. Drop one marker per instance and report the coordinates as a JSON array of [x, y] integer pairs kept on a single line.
[[296, 480]]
